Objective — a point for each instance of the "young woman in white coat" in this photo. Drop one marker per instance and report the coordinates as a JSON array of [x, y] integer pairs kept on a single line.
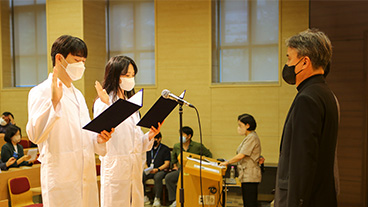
[[57, 111], [121, 167]]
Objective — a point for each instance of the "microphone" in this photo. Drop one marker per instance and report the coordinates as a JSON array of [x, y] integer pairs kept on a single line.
[[168, 95]]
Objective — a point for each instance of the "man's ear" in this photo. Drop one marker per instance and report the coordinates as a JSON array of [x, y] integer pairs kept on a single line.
[[58, 58], [306, 62]]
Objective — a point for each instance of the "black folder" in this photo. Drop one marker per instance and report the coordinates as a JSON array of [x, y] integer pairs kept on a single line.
[[115, 114], [158, 112]]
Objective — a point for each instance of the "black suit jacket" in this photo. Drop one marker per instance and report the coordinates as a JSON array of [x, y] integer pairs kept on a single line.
[[305, 174], [7, 151]]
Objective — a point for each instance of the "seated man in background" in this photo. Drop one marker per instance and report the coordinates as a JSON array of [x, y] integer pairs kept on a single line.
[[6, 120], [171, 178], [158, 160]]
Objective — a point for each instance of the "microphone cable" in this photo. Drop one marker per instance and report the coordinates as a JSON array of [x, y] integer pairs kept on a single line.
[[200, 155]]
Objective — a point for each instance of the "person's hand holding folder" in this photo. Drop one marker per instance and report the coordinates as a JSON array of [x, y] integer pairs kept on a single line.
[[153, 131], [105, 136]]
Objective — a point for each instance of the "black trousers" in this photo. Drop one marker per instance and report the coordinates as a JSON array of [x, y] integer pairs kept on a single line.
[[250, 194]]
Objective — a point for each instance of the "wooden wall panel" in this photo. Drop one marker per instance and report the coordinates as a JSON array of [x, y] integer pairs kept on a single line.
[[183, 54], [346, 23], [64, 19], [94, 35], [6, 77]]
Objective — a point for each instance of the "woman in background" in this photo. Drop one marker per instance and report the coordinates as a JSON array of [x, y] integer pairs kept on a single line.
[[247, 159], [12, 149], [122, 166]]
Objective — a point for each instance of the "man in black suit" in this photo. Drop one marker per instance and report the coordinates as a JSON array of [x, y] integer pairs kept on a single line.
[[305, 174]]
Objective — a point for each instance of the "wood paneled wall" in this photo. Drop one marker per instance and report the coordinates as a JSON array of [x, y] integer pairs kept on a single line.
[[346, 24]]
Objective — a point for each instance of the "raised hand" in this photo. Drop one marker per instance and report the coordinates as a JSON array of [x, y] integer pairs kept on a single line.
[[153, 131], [11, 120], [56, 89], [102, 93]]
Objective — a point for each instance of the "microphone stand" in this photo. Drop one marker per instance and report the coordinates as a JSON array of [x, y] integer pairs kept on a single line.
[[181, 191]]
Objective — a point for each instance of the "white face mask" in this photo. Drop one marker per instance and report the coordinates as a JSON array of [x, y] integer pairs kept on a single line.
[[127, 84], [74, 70], [2, 122], [16, 138], [241, 130], [184, 139]]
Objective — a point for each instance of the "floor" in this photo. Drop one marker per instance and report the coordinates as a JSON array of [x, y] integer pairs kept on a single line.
[[261, 204]]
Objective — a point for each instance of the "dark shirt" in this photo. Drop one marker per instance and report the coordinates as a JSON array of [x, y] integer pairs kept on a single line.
[[163, 155], [3, 165], [305, 175], [3, 128], [7, 151]]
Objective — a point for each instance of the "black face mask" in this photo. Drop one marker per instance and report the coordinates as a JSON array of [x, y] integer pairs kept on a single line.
[[155, 143], [288, 73]]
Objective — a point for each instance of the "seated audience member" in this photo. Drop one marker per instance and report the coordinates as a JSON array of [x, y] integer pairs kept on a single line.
[[12, 149], [158, 160], [6, 120], [189, 145], [5, 165]]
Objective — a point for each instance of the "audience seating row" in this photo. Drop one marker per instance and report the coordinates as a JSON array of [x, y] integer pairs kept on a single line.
[[20, 192], [33, 173]]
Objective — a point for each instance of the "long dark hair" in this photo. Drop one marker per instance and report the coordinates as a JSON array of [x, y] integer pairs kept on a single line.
[[117, 65]]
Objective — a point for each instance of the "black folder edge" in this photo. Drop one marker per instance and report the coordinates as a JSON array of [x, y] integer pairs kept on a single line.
[[113, 116], [158, 112]]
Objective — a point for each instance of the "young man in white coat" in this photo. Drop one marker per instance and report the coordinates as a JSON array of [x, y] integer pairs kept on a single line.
[[57, 111]]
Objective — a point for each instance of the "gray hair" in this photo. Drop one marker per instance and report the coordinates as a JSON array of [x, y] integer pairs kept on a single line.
[[314, 44]]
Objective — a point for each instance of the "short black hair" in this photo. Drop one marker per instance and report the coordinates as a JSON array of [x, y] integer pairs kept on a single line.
[[11, 130], [158, 136], [66, 44], [248, 119], [187, 130], [6, 113]]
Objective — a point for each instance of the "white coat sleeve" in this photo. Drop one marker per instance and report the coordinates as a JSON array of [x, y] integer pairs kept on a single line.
[[98, 108], [41, 115], [100, 149], [146, 143]]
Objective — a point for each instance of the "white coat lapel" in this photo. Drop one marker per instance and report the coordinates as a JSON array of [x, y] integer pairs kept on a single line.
[[70, 95]]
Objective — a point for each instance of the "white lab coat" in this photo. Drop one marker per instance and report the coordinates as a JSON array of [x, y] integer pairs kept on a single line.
[[121, 167], [68, 169]]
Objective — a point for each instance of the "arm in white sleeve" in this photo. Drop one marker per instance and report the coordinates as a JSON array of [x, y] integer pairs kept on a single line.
[[41, 116], [98, 108], [147, 144], [100, 149]]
